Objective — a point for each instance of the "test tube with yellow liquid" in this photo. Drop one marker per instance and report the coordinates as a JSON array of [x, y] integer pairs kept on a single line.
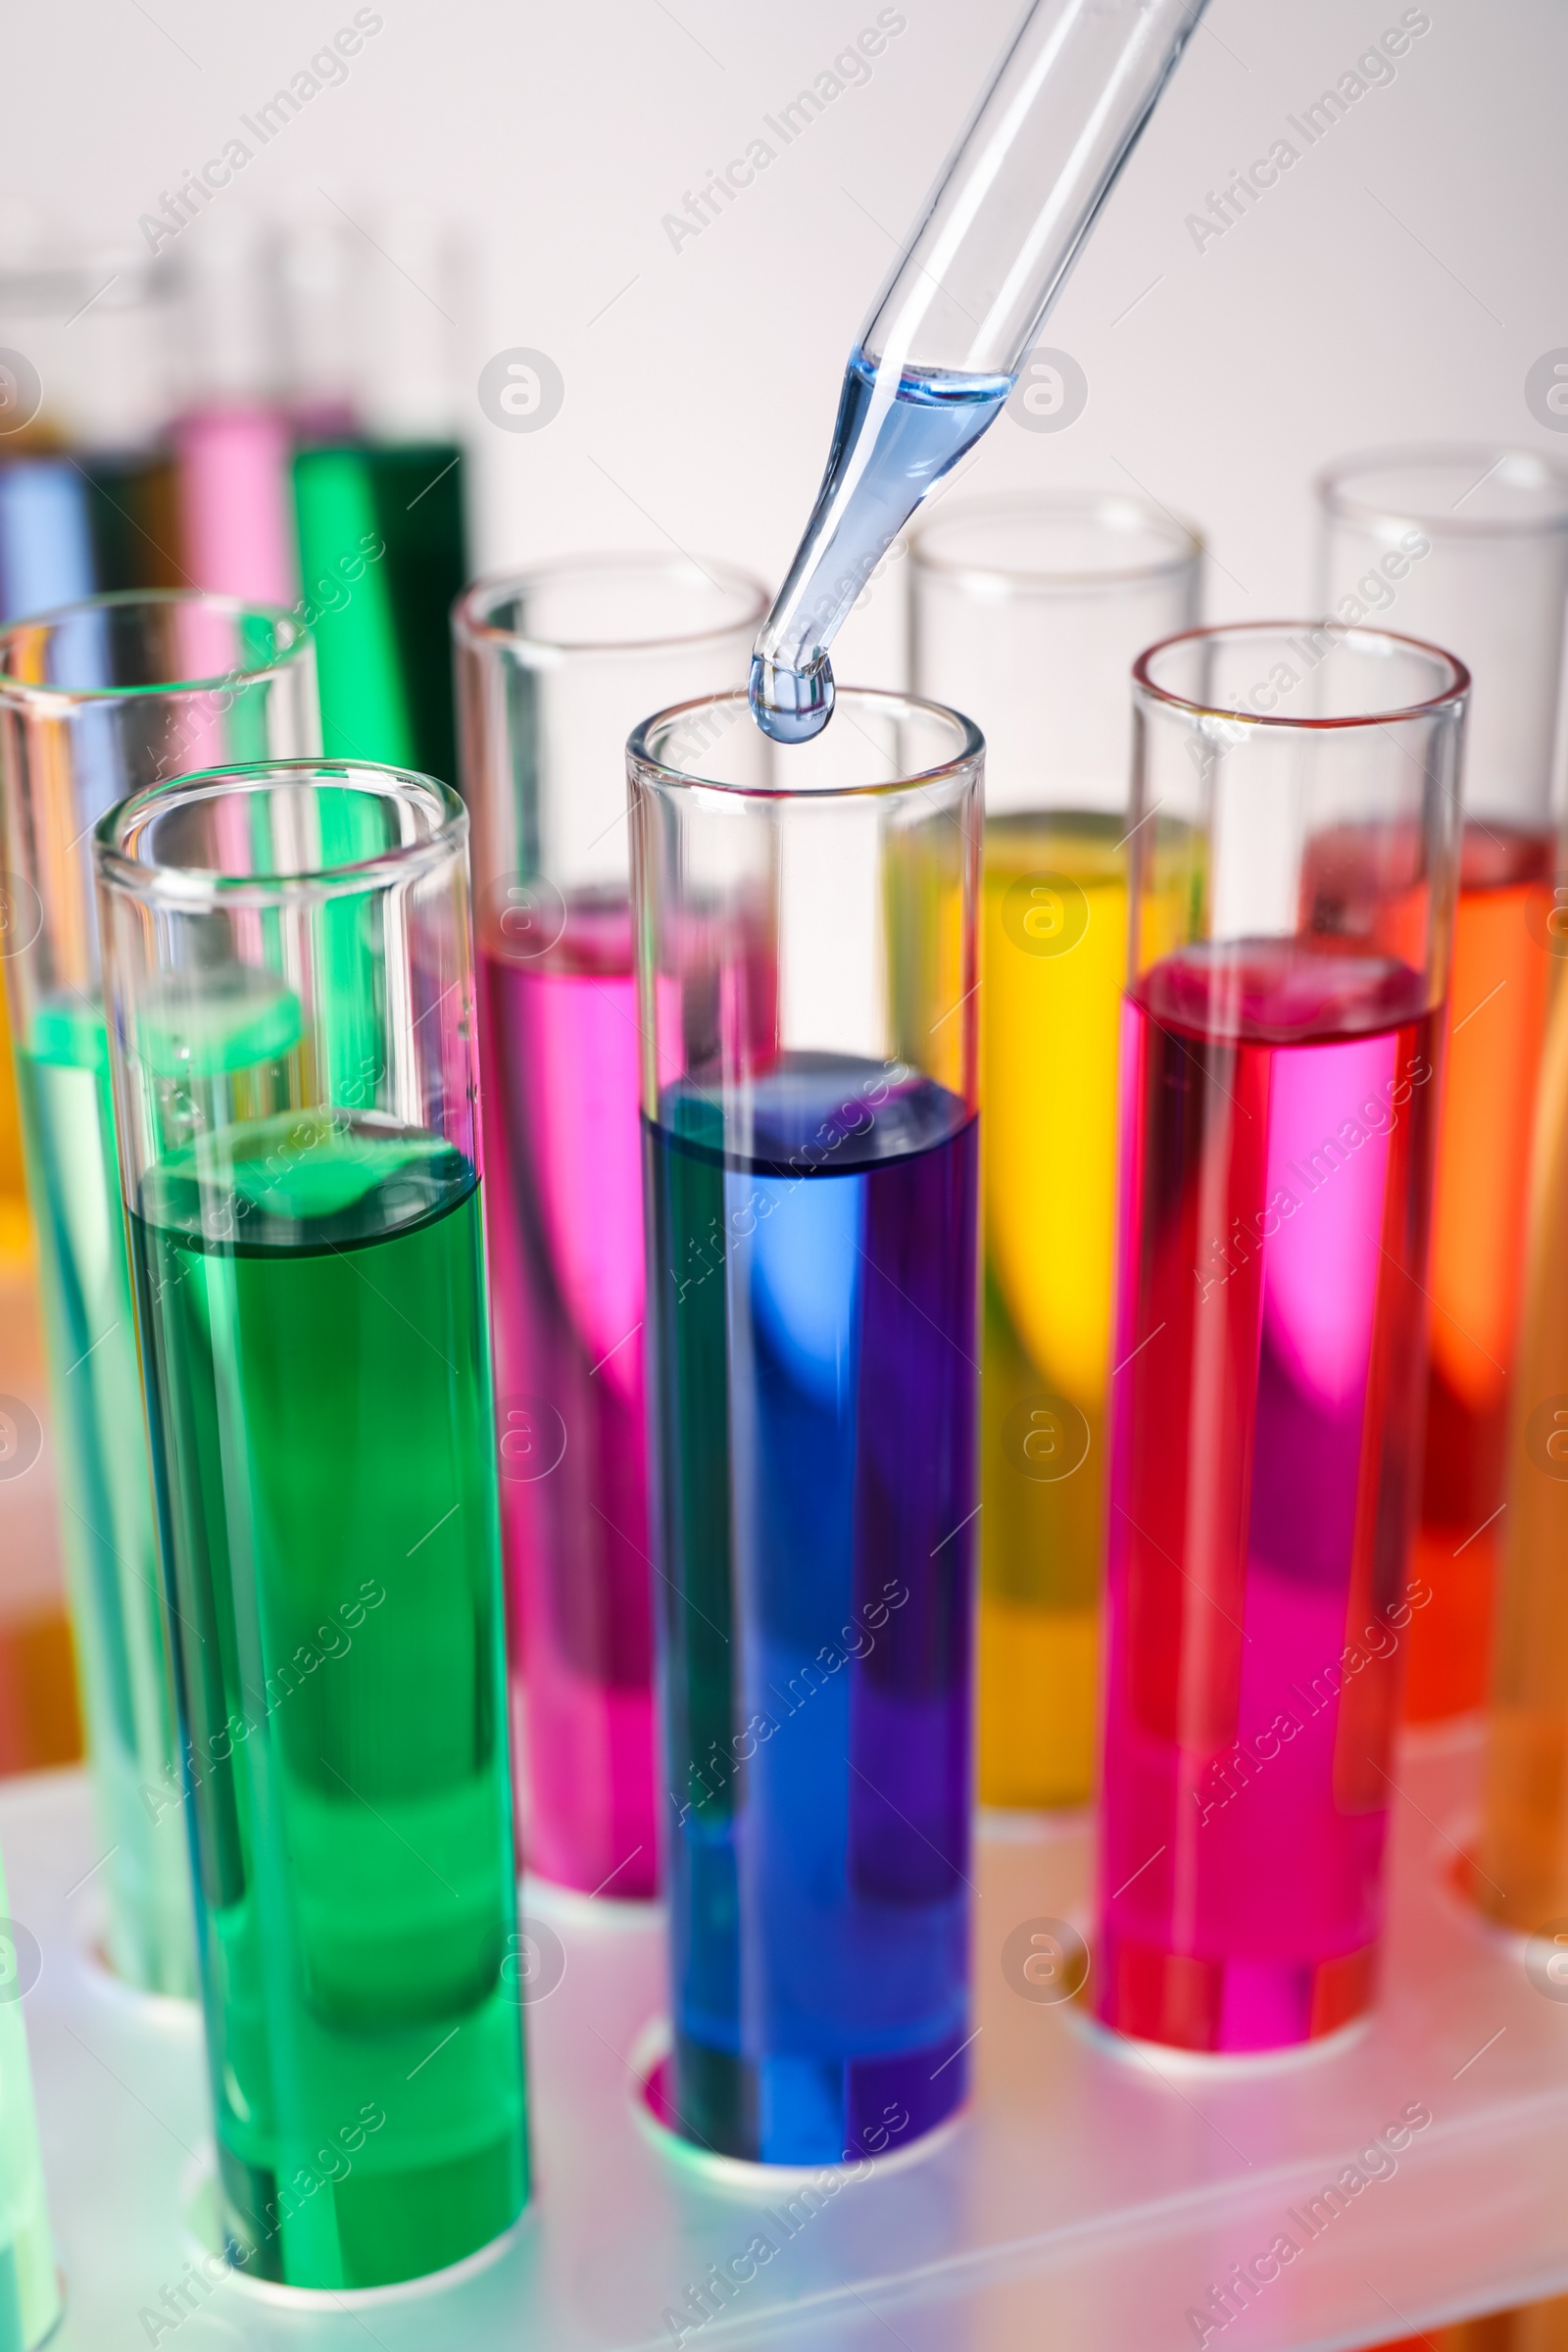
[[1027, 615]]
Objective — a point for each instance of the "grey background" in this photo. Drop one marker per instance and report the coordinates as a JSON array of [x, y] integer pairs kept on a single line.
[[1398, 283]]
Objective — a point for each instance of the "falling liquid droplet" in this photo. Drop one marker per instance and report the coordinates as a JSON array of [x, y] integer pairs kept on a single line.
[[791, 705]]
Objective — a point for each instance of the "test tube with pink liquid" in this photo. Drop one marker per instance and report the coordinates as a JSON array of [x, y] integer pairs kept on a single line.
[[556, 666], [1295, 829]]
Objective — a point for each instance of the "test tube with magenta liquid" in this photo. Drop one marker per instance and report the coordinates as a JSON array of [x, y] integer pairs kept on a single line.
[[1297, 788]]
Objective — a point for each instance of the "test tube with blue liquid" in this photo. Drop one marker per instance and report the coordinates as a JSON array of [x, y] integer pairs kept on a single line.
[[806, 931]]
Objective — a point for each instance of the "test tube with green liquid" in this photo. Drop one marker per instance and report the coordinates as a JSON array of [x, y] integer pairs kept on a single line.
[[290, 980], [97, 699], [29, 2292], [382, 558]]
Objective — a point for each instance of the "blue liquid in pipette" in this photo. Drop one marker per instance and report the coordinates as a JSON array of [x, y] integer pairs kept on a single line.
[[867, 496]]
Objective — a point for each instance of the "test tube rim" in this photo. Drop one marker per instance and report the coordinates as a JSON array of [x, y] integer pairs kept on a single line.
[[1332, 487], [472, 630], [32, 694], [1187, 544], [648, 769], [193, 890], [1146, 691]]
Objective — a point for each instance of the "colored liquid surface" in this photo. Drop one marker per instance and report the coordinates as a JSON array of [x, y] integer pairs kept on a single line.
[[1277, 1133], [1497, 996], [813, 1325], [564, 1195], [1522, 1877], [105, 1488], [312, 1302], [1054, 944], [894, 439]]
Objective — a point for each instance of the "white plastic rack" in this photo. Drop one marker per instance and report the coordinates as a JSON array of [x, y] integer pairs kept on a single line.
[[1088, 2200]]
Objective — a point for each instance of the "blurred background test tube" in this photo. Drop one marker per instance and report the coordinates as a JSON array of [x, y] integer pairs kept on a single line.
[[1027, 613], [1523, 2328], [1469, 548], [291, 982], [29, 2292], [382, 555], [266, 412], [95, 701], [379, 496], [805, 928], [232, 435], [317, 460], [1279, 1082], [555, 665], [72, 521], [40, 1724], [89, 497], [1521, 1872]]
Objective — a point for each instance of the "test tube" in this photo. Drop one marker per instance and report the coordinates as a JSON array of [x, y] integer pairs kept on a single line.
[[96, 700], [1525, 2327], [236, 524], [29, 2291], [1295, 796], [1469, 548], [1028, 612], [39, 1721], [290, 983], [1521, 1872], [93, 521], [382, 555], [555, 665], [47, 558], [15, 1229], [806, 936]]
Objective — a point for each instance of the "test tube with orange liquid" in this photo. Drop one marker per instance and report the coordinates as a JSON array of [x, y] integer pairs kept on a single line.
[[1526, 2327], [1028, 615], [39, 1722], [1521, 1872], [1468, 548]]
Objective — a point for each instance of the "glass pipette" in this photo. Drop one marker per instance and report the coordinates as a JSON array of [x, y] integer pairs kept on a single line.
[[943, 342]]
